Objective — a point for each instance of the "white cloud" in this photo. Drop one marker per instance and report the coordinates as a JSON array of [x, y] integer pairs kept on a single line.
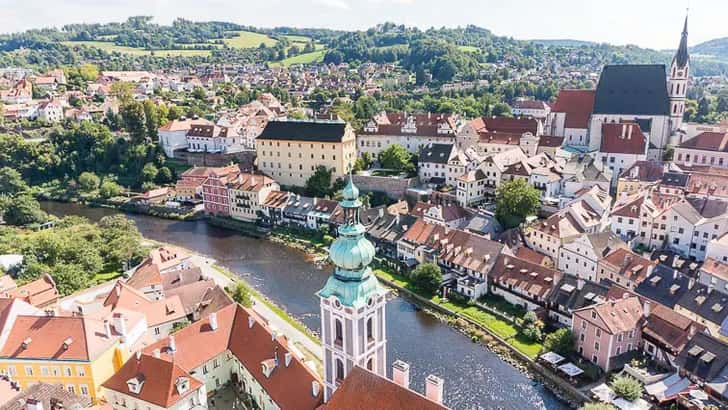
[[334, 4]]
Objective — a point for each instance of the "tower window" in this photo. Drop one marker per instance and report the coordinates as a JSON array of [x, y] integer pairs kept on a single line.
[[338, 333], [370, 330], [370, 364], [339, 371]]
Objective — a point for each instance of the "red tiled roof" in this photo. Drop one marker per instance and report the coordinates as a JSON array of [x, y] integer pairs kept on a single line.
[[623, 138], [159, 380], [364, 390], [708, 141], [40, 292], [621, 315], [550, 141], [629, 265], [578, 106], [519, 126], [536, 280]]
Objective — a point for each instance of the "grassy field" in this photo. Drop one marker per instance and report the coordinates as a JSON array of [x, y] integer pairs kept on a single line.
[[111, 47], [248, 39], [468, 49], [307, 58]]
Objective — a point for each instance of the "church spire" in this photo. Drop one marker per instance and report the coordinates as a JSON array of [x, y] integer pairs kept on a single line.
[[681, 56]]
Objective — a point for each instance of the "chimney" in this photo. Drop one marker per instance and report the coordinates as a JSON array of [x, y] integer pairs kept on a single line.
[[315, 388], [107, 329], [172, 344], [629, 132], [434, 387], [120, 325], [287, 357], [400, 373], [580, 283], [646, 308], [138, 355], [251, 321], [691, 283], [213, 321], [156, 353]]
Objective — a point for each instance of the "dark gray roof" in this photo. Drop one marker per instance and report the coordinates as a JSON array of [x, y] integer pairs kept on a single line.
[[675, 179], [632, 89], [566, 295], [704, 357], [714, 305], [436, 153], [681, 56], [664, 286], [308, 131]]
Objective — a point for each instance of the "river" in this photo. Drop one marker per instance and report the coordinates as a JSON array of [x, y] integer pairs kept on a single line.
[[475, 378]]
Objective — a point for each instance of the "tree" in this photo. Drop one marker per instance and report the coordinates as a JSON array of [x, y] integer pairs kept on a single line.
[[560, 341], [241, 294], [532, 327], [70, 278], [363, 162], [164, 176], [88, 181], [151, 116], [121, 241], [135, 122], [365, 107], [122, 90], [11, 182], [149, 172], [626, 387], [23, 209], [428, 276], [88, 72], [396, 157], [109, 189], [515, 200], [319, 184]]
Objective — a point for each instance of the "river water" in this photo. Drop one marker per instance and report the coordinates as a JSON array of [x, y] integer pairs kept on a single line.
[[475, 378]]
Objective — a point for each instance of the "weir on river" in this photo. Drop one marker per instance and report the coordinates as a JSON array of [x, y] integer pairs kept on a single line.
[[475, 378]]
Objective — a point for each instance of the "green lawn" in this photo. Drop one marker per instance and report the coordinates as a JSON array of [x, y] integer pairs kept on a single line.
[[102, 277], [248, 39], [307, 58], [298, 39], [468, 49], [111, 47]]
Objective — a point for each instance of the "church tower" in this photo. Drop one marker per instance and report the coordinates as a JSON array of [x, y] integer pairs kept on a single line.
[[353, 331], [678, 82]]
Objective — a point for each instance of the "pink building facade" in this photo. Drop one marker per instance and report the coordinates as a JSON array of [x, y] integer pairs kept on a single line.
[[607, 330]]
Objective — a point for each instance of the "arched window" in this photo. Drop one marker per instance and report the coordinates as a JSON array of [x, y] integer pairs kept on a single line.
[[370, 329], [338, 332], [370, 364], [339, 370]]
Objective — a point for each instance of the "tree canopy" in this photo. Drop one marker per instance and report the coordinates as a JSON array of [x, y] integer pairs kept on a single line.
[[515, 200]]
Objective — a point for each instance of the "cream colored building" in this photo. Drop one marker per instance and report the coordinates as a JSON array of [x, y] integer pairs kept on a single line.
[[290, 151]]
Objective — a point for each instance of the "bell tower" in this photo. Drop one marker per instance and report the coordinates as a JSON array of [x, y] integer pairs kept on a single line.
[[353, 329], [678, 82]]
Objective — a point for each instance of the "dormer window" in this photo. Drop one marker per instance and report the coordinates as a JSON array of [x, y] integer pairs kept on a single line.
[[135, 384], [182, 384]]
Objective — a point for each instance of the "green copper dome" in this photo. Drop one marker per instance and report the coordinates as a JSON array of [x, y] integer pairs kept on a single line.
[[352, 282], [351, 253]]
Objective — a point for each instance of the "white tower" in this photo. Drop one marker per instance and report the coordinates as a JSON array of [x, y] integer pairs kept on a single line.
[[353, 329], [678, 82]]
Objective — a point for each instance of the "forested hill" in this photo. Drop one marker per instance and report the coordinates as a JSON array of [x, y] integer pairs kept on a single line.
[[717, 49], [442, 53]]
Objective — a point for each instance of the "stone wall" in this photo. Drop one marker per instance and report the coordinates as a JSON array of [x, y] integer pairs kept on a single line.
[[395, 188], [203, 159]]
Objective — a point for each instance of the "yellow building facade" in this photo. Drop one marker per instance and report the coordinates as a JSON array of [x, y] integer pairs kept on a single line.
[[290, 151]]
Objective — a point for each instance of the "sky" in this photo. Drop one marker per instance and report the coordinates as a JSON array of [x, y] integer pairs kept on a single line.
[[647, 23]]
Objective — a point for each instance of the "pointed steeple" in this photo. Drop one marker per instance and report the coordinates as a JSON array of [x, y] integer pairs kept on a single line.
[[681, 56]]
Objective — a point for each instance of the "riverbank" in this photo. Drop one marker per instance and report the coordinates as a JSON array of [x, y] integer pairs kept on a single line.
[[476, 378], [518, 355]]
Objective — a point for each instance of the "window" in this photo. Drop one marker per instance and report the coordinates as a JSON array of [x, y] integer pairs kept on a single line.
[[11, 371], [44, 371], [204, 369], [338, 332], [339, 371], [596, 346], [80, 371], [370, 364], [28, 370], [84, 389], [71, 389], [370, 329]]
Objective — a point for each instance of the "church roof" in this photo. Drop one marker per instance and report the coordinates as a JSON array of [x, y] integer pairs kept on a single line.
[[632, 89], [681, 57]]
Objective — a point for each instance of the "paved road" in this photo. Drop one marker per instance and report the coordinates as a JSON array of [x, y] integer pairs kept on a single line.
[[293, 334]]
